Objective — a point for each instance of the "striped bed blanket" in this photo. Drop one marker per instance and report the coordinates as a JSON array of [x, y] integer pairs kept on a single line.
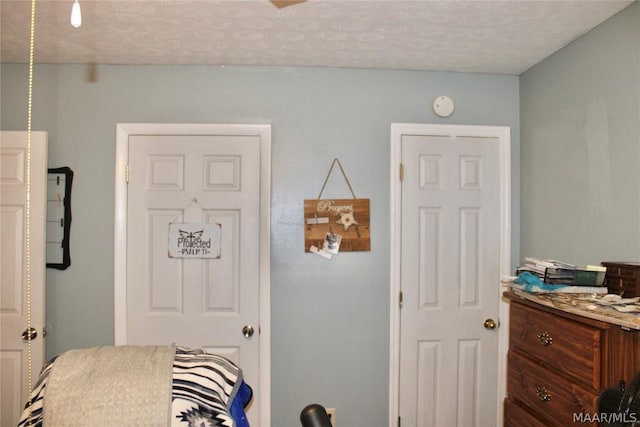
[[205, 390]]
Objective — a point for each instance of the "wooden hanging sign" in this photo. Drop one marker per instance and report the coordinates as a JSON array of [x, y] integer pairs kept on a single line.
[[336, 225], [348, 219]]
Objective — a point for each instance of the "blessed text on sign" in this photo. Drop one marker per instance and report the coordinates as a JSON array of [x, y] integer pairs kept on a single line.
[[194, 240]]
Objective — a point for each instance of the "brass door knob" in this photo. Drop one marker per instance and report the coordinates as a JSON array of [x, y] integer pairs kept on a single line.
[[247, 331], [29, 334], [490, 324]]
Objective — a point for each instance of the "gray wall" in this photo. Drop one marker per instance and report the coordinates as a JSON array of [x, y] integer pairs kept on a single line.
[[330, 319], [580, 115]]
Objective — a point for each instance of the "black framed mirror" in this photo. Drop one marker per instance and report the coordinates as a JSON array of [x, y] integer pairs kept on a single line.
[[59, 181]]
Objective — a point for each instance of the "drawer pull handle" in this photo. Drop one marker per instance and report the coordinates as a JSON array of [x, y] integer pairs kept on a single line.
[[543, 394], [544, 338]]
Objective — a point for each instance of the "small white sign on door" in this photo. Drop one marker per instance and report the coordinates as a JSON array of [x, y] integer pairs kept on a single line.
[[194, 240]]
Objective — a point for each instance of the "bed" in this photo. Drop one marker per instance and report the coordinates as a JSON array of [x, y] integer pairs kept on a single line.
[[138, 385]]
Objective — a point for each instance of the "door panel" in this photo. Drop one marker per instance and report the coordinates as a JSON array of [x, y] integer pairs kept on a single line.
[[203, 303], [450, 244], [14, 358], [194, 302]]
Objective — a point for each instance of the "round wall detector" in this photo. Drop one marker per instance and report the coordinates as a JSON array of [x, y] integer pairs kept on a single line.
[[443, 106]]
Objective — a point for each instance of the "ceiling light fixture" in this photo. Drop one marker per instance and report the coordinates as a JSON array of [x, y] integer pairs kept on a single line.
[[76, 15]]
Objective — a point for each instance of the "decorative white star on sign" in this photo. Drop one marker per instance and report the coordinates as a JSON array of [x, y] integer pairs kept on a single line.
[[346, 220]]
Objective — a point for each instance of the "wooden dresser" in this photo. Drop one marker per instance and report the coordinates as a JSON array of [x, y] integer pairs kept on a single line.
[[558, 362]]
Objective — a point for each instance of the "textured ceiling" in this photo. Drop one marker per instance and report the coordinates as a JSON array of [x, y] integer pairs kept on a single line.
[[490, 36]]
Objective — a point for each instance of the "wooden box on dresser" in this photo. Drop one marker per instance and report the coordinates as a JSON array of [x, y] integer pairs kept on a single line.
[[559, 362]]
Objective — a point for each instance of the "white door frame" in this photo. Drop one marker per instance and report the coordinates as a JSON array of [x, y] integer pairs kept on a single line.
[[123, 132], [504, 137]]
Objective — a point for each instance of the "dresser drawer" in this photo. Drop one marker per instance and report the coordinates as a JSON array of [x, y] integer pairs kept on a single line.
[[567, 347], [516, 416], [553, 397]]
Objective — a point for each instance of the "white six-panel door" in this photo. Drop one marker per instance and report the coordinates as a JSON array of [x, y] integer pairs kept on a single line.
[[203, 176], [451, 245], [14, 357]]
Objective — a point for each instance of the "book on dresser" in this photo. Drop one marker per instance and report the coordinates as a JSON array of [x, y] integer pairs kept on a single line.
[[555, 272]]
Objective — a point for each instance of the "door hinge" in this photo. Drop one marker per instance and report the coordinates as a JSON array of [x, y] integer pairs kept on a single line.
[[400, 299], [401, 172], [126, 173]]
